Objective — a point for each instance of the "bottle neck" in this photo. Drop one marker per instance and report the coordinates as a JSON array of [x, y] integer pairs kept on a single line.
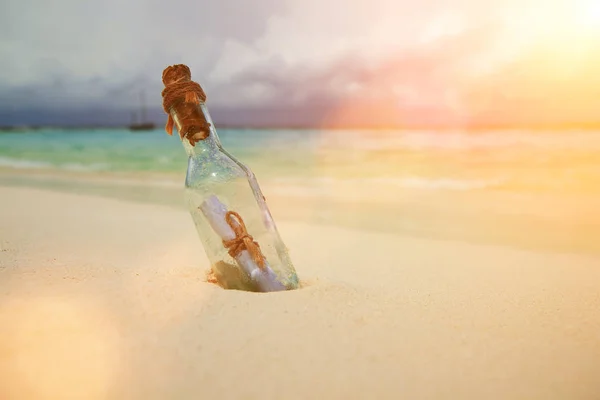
[[209, 143], [203, 147]]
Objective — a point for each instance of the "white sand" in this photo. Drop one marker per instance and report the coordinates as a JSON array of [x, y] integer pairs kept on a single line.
[[103, 299]]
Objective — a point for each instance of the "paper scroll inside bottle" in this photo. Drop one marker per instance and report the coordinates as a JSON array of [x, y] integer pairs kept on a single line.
[[263, 276]]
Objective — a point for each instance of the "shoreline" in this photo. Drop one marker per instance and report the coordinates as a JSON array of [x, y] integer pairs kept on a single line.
[[525, 221], [466, 128]]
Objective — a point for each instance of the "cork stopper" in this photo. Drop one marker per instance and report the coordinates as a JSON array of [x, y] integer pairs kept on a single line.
[[181, 101]]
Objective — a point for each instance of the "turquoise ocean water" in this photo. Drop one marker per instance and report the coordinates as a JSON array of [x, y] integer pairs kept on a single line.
[[421, 160], [522, 188]]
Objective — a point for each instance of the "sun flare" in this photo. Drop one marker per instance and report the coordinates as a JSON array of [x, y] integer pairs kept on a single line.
[[589, 15]]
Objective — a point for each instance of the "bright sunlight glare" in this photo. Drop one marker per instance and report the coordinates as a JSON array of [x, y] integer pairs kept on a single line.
[[589, 15]]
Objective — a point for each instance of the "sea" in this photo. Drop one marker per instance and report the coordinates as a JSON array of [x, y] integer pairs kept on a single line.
[[425, 160], [455, 184]]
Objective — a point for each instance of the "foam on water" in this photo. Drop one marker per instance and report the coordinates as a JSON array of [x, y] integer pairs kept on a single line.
[[34, 164], [458, 141], [309, 187], [23, 164]]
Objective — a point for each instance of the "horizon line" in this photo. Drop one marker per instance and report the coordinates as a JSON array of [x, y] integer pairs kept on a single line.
[[382, 127]]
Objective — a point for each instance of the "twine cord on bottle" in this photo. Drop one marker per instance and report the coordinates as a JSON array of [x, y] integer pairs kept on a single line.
[[179, 94], [243, 240]]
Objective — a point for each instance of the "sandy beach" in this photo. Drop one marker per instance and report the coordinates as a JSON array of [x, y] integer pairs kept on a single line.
[[432, 167], [107, 299]]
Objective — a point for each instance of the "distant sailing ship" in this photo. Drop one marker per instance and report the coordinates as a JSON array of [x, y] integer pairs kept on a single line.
[[141, 126]]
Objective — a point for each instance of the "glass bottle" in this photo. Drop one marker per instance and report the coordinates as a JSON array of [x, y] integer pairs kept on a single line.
[[217, 182]]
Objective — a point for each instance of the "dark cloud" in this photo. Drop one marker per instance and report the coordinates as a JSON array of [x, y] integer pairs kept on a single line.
[[118, 41], [83, 54], [286, 62]]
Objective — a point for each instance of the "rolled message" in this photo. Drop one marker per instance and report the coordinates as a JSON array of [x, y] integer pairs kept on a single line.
[[264, 278]]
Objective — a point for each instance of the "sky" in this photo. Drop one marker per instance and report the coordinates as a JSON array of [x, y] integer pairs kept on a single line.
[[314, 62]]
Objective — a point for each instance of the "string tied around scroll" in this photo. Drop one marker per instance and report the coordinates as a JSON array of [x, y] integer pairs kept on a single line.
[[242, 240]]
